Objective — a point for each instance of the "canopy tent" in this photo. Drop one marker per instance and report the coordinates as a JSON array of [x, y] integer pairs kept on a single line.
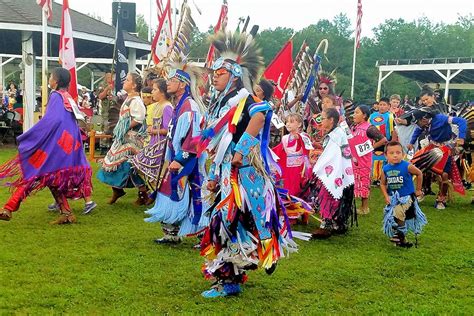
[[21, 45], [449, 73]]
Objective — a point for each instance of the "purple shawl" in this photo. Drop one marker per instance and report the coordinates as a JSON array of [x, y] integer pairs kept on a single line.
[[51, 153]]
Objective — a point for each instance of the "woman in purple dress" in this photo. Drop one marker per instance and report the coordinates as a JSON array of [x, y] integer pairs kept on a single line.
[[50, 154]]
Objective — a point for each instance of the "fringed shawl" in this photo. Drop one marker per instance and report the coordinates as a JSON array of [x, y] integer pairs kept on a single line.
[[51, 153]]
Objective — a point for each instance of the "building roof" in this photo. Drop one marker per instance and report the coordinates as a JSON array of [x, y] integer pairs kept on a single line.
[[428, 70], [28, 12]]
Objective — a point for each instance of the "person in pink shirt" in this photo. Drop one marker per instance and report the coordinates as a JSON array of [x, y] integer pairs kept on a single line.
[[365, 138]]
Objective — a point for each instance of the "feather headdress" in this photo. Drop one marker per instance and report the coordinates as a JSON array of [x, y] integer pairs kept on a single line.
[[427, 159], [327, 78], [191, 74], [241, 48], [183, 36]]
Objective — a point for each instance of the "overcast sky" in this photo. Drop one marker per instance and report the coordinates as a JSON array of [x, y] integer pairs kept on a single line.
[[296, 14]]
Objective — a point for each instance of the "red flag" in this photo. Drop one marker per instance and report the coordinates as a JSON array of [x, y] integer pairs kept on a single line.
[[221, 24], [47, 6], [280, 68], [67, 57], [359, 22], [163, 38]]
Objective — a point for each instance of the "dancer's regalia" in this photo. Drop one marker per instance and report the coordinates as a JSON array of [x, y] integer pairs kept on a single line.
[[149, 160], [116, 170], [403, 207], [361, 148], [178, 204], [437, 156], [293, 160], [334, 185], [248, 226], [50, 154]]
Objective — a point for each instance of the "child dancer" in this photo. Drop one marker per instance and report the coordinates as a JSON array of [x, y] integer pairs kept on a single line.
[[335, 178], [293, 152], [402, 213], [365, 138], [384, 121], [149, 161], [395, 108]]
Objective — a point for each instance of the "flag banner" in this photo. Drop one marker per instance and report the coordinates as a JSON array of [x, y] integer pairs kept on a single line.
[[47, 6], [120, 55], [221, 25], [162, 42], [67, 57], [359, 23], [159, 6], [280, 68]]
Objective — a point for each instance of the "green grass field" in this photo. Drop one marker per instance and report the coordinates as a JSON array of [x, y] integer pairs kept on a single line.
[[107, 263]]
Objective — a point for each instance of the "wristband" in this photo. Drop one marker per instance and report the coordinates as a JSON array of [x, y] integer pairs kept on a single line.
[[245, 144]]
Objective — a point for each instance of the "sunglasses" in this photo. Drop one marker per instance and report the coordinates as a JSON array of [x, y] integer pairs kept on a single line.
[[316, 121], [219, 72], [323, 88]]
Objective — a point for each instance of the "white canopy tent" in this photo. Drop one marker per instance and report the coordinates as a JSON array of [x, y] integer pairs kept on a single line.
[[21, 46]]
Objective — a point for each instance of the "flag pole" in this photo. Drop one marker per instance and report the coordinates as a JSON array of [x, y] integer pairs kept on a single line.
[[353, 67], [149, 25], [356, 43], [44, 64]]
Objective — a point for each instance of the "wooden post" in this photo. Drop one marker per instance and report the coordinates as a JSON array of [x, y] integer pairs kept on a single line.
[[91, 145]]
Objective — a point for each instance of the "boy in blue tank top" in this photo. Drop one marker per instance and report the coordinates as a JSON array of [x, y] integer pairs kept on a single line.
[[402, 212]]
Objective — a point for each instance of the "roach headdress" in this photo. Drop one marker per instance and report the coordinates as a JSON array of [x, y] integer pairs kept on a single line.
[[242, 49]]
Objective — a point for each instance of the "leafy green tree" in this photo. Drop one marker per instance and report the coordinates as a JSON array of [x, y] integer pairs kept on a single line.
[[142, 27], [393, 39], [271, 41]]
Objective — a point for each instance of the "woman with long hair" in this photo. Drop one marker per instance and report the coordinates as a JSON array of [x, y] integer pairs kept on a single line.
[[129, 134], [50, 155]]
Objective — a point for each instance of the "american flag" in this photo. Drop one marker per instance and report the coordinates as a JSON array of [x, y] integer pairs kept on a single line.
[[159, 11], [47, 6], [221, 25], [359, 22]]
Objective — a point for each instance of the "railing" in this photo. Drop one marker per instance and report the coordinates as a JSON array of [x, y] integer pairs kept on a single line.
[[425, 61]]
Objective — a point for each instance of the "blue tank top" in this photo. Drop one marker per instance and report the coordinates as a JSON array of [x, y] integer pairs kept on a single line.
[[399, 179]]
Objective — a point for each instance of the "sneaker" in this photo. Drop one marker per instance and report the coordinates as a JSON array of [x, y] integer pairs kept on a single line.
[[89, 207], [272, 269], [5, 215], [361, 211], [440, 205], [54, 207], [168, 240], [321, 233], [222, 290], [395, 239], [64, 219], [405, 244]]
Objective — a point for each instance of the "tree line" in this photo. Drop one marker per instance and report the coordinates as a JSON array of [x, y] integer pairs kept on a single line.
[[393, 39]]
